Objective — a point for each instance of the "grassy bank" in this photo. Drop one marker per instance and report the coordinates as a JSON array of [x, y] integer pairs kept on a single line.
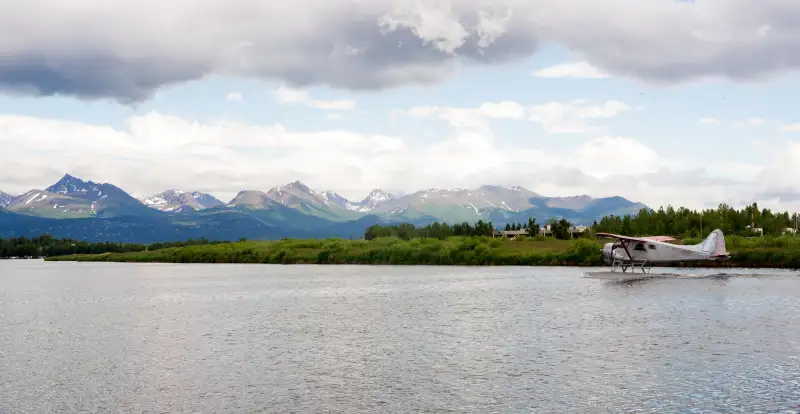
[[778, 252], [454, 251]]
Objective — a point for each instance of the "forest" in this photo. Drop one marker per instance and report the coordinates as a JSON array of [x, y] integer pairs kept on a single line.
[[749, 221], [47, 246], [436, 230], [683, 222], [443, 231]]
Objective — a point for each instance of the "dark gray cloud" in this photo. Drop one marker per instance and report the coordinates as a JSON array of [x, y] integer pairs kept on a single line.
[[127, 50], [94, 76]]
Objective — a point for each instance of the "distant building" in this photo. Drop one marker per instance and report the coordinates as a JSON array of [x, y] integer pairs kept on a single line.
[[511, 234], [758, 230], [578, 229], [544, 230]]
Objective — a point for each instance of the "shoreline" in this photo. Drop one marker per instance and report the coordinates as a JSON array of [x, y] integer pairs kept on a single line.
[[456, 251], [567, 265]]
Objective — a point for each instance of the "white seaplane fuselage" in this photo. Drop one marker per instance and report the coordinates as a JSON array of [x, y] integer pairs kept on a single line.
[[642, 252]]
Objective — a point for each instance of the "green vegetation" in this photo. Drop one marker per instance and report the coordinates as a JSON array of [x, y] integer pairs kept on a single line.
[[458, 250], [683, 222], [768, 252], [48, 247], [443, 231]]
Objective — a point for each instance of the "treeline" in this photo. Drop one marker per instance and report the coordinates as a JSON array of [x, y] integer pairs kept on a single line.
[[436, 230], [683, 222], [47, 246], [531, 227], [560, 230]]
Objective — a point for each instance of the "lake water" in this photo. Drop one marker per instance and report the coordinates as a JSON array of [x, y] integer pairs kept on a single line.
[[250, 338]]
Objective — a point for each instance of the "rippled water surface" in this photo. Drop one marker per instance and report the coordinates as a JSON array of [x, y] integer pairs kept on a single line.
[[250, 338]]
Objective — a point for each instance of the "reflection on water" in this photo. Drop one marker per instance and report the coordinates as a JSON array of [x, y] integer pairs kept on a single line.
[[190, 338]]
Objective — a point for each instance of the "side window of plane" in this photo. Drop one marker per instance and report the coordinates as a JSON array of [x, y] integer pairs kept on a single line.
[[639, 247], [651, 246]]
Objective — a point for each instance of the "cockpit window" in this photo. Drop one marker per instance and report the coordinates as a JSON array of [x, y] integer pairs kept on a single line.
[[639, 247]]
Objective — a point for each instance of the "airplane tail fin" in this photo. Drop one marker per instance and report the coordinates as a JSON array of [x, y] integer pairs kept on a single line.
[[714, 244]]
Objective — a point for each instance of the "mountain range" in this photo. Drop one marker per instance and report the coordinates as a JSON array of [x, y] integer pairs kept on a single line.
[[178, 201], [93, 211]]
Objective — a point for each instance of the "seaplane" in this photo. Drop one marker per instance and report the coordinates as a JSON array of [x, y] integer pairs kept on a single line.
[[641, 253]]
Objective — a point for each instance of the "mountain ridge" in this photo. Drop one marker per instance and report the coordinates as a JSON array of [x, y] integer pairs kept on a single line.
[[180, 201], [101, 211], [6, 199]]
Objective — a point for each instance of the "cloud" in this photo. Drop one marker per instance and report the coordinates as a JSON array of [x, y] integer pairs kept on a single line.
[[378, 44], [791, 128], [295, 96], [576, 70], [784, 170], [555, 117], [750, 123], [572, 117], [596, 156], [475, 118], [234, 97], [157, 151]]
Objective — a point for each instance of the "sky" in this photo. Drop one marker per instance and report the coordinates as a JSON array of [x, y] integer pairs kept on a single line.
[[683, 103]]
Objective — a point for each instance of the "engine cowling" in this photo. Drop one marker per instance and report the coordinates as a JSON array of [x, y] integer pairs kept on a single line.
[[608, 253]]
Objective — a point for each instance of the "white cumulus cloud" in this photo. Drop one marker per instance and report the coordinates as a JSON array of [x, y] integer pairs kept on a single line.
[[575, 70], [286, 95], [791, 128], [750, 123], [155, 151], [572, 117]]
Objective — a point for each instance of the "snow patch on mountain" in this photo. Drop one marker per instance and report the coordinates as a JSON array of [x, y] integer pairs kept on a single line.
[[374, 199], [176, 201], [5, 199]]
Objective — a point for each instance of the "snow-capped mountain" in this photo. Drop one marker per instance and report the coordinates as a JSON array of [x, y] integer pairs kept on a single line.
[[293, 195], [375, 199], [5, 199], [298, 195], [46, 203], [488, 201], [487, 197], [252, 199], [297, 207], [206, 200], [180, 201], [73, 197], [69, 185], [337, 200]]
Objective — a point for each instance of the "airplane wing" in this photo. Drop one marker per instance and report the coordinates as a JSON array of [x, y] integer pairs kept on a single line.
[[636, 239]]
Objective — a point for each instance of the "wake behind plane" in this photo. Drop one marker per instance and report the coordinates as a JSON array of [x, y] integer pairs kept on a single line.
[[641, 253]]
